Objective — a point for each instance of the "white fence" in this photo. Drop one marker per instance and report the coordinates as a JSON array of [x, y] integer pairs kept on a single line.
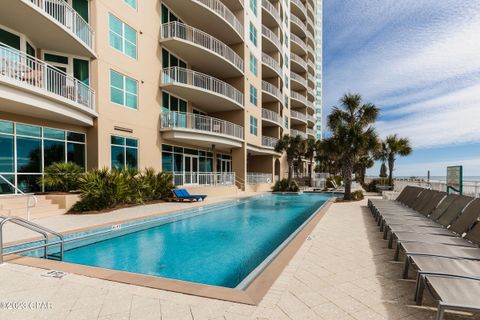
[[259, 178], [31, 72], [469, 188], [204, 178]]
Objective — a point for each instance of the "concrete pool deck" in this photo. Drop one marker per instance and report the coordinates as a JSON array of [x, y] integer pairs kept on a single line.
[[343, 271]]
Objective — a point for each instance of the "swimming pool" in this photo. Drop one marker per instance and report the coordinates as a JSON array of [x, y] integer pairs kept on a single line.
[[222, 245]]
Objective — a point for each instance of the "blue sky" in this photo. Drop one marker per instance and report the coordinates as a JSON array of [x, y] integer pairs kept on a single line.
[[419, 62]]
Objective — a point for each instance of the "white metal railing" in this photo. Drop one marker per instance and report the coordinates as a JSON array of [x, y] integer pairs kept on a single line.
[[31, 72], [300, 5], [271, 89], [470, 188], [219, 8], [18, 193], [185, 32], [272, 37], [311, 132], [310, 118], [204, 178], [269, 141], [62, 12], [298, 40], [295, 133], [299, 60], [298, 115], [295, 76], [299, 22], [311, 64], [200, 80], [272, 63], [174, 119], [267, 5], [297, 96], [259, 178], [272, 116]]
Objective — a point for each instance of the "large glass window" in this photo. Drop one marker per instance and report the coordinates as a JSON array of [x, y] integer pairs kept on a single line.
[[123, 90], [253, 34], [124, 153], [131, 3], [122, 37], [253, 125], [183, 162], [25, 150], [253, 95], [9, 39], [253, 64], [170, 60], [253, 6]]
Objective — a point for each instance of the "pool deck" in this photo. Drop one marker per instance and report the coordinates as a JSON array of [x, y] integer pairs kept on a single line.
[[343, 271]]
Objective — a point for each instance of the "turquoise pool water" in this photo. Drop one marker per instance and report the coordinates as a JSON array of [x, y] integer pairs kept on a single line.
[[221, 247]]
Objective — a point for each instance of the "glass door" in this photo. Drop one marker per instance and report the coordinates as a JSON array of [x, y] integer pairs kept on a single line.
[[191, 169]]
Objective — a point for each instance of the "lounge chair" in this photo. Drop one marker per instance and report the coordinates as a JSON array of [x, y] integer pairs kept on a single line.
[[183, 194]]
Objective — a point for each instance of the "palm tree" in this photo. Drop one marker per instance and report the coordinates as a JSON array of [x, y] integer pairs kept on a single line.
[[309, 149], [290, 145], [353, 133], [365, 162], [382, 155], [327, 156], [396, 147]]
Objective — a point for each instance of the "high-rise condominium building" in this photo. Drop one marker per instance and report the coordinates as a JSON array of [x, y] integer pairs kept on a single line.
[[318, 70], [200, 88]]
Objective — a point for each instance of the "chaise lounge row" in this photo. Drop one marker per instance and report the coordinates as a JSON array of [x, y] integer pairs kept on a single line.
[[439, 235]]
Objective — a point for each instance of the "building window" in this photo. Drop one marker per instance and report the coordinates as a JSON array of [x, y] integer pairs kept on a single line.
[[253, 95], [253, 34], [124, 152], [131, 3], [25, 150], [170, 60], [319, 127], [253, 6], [123, 90], [253, 64], [123, 37], [286, 81], [286, 101], [253, 125], [286, 122]]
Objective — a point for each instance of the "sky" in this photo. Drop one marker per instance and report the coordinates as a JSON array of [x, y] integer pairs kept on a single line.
[[419, 62]]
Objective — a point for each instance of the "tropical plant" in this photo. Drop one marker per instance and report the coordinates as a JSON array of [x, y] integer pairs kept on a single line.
[[327, 157], [334, 181], [396, 147], [365, 162], [383, 171], [353, 133], [62, 176], [309, 150], [357, 195], [285, 186], [291, 146]]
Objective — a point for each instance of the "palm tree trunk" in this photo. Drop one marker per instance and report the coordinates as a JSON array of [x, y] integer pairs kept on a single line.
[[289, 170], [347, 179], [391, 164], [310, 172]]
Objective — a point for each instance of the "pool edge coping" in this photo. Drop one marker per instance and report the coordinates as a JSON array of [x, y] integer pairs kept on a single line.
[[251, 295]]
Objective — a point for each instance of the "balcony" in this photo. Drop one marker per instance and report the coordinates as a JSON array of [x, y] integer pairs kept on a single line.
[[31, 87], [207, 92], [200, 130], [298, 9], [211, 16], [311, 132], [311, 119], [298, 45], [298, 100], [297, 63], [270, 93], [270, 15], [270, 41], [297, 26], [62, 28], [298, 82], [295, 133], [270, 67], [205, 52], [271, 118], [297, 117], [269, 142]]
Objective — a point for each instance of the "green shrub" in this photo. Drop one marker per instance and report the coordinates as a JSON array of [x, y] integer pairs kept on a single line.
[[102, 189], [338, 180], [62, 177], [372, 185], [357, 195], [285, 186]]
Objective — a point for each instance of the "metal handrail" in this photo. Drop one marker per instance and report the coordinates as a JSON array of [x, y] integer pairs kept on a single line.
[[298, 40], [299, 60], [272, 63], [272, 116], [267, 33], [219, 8], [269, 141], [295, 76], [35, 200], [259, 177], [299, 22], [300, 5], [185, 32], [35, 228], [271, 89], [19, 66], [298, 115], [268, 6]]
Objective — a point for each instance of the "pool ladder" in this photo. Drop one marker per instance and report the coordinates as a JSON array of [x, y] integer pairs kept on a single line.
[[24, 247]]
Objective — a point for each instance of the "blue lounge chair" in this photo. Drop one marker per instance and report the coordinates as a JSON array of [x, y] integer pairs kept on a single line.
[[183, 194]]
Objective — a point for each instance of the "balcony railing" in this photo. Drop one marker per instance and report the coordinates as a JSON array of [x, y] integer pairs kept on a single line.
[[63, 13], [267, 5], [295, 76], [204, 178], [299, 97], [272, 116], [271, 36], [179, 30], [298, 115], [298, 22], [30, 72], [295, 133], [198, 122], [219, 8], [272, 63], [271, 89], [311, 132], [300, 5], [200, 80], [298, 40], [299, 60], [269, 141], [259, 178], [311, 118]]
